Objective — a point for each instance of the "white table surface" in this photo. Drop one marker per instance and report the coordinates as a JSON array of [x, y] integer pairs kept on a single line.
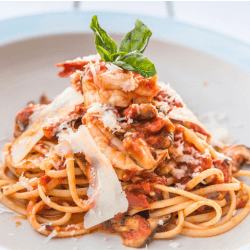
[[229, 18]]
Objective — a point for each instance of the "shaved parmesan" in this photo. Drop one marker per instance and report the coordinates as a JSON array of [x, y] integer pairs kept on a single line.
[[181, 113], [105, 192], [62, 103]]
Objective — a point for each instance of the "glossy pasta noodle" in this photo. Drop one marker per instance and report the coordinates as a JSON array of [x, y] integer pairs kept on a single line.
[[120, 153]]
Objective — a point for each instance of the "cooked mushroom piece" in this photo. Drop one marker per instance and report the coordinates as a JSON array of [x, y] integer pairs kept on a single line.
[[140, 112], [137, 231], [239, 154]]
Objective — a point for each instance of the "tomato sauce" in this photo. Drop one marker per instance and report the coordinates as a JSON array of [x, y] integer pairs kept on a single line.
[[71, 67], [156, 132], [142, 191], [22, 120], [164, 96], [193, 162], [224, 167]]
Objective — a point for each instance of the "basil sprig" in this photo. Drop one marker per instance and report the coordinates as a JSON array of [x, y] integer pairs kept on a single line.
[[137, 39], [129, 55]]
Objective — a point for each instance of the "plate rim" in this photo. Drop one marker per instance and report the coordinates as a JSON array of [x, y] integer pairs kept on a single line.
[[211, 42], [219, 45]]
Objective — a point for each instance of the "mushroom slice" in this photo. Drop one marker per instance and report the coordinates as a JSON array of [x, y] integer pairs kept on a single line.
[[137, 231], [239, 154]]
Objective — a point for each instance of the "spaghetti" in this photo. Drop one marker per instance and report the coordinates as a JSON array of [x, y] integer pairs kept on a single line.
[[120, 153]]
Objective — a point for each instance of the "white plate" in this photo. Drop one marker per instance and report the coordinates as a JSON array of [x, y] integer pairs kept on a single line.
[[27, 68]]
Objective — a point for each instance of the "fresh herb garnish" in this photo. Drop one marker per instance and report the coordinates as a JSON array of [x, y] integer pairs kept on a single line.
[[129, 55]]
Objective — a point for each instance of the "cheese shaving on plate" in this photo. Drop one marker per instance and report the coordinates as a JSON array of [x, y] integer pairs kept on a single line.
[[106, 191], [62, 103]]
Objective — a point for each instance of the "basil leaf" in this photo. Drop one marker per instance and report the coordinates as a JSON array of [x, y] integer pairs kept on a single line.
[[137, 39], [116, 55], [102, 39], [105, 55], [134, 61]]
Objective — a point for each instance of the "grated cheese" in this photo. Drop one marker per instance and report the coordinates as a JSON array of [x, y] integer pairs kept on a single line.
[[89, 58], [197, 169], [92, 68], [106, 114], [195, 174], [178, 185], [27, 186], [128, 134], [180, 147], [189, 159], [179, 173], [53, 234], [121, 119], [63, 148], [42, 228], [72, 226], [164, 107], [174, 244], [113, 68], [160, 222]]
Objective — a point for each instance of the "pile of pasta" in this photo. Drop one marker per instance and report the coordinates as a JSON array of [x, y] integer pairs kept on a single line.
[[119, 153]]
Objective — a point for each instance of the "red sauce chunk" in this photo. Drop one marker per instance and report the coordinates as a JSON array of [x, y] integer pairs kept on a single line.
[[142, 191], [70, 67], [164, 96], [224, 167], [22, 120], [157, 132]]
